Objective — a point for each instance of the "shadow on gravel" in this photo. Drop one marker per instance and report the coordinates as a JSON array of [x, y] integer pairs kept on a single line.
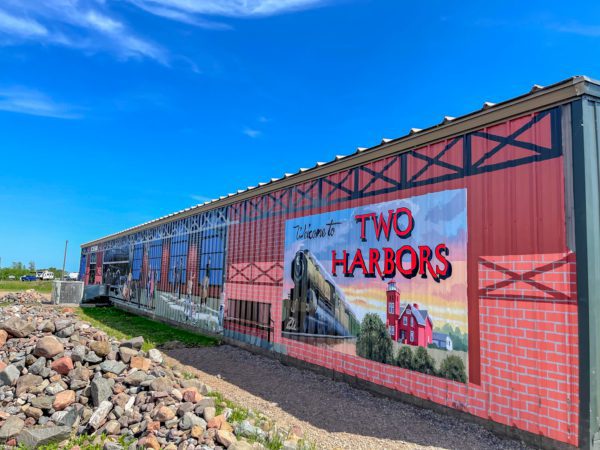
[[335, 406]]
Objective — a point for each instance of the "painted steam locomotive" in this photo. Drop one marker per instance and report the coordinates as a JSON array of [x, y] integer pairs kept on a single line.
[[315, 305]]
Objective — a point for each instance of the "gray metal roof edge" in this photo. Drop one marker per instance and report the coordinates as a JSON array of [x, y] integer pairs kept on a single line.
[[538, 98]]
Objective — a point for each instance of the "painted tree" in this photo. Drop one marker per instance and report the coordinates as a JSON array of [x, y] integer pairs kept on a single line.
[[423, 362], [374, 341], [453, 368], [404, 358]]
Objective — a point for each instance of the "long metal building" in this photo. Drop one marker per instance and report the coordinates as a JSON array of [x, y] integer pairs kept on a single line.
[[456, 267]]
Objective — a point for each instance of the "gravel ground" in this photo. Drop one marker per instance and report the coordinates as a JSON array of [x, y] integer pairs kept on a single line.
[[331, 414]]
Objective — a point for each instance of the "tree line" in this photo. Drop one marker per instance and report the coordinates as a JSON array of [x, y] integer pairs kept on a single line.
[[375, 343], [18, 269]]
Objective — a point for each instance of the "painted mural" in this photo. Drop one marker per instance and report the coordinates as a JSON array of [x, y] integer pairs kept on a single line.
[[188, 289], [386, 281], [226, 266]]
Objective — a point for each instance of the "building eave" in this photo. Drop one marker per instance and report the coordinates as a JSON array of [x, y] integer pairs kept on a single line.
[[539, 98]]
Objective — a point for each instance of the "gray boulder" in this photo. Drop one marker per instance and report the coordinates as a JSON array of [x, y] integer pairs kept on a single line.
[[190, 420], [100, 414], [9, 376], [18, 327], [116, 367], [37, 367], [11, 428], [135, 342], [38, 436], [101, 390]]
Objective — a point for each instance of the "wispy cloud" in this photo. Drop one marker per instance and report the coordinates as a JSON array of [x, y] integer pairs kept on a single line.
[[191, 11], [35, 103], [157, 9], [200, 198], [251, 132], [93, 26], [20, 26], [81, 24], [577, 28]]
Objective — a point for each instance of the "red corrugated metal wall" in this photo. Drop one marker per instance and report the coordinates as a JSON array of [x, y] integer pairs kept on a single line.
[[523, 349]]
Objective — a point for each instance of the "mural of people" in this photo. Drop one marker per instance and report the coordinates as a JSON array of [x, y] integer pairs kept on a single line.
[[126, 290], [205, 284], [189, 301], [150, 288]]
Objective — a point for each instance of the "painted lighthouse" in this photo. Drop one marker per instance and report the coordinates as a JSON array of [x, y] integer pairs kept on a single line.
[[405, 322]]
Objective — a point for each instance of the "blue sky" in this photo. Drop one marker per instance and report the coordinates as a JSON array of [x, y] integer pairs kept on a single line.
[[114, 112]]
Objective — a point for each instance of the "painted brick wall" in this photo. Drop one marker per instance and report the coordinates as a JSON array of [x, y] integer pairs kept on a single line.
[[522, 295], [529, 340]]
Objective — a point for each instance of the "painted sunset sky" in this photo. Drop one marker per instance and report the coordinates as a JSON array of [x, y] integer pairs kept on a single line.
[[439, 217]]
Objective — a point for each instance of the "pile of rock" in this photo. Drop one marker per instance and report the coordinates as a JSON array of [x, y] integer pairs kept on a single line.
[[28, 296], [60, 377]]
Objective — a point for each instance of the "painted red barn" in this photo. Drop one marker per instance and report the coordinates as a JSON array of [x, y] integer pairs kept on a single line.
[[407, 323]]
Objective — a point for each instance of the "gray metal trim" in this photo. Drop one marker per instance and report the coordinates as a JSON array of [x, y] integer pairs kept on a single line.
[[567, 148], [581, 258], [586, 179]]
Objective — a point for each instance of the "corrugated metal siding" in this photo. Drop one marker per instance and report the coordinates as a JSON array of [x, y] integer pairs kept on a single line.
[[522, 308]]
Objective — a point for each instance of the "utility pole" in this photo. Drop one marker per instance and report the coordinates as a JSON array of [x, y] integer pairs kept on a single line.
[[62, 275]]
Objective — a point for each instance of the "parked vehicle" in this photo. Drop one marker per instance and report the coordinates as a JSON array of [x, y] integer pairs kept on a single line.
[[11, 277], [45, 275], [73, 276], [30, 277]]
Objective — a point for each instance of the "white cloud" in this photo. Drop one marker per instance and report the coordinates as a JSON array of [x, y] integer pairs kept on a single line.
[[200, 198], [190, 11], [578, 28], [178, 15], [81, 24], [13, 25], [92, 25], [250, 132], [102, 23], [35, 103]]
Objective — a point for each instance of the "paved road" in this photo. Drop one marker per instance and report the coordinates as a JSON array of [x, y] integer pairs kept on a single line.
[[332, 414]]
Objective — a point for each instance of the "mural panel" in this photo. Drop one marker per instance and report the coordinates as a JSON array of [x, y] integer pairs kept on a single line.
[[386, 281]]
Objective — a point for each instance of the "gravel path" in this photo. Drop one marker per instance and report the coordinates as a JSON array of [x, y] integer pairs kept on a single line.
[[332, 414]]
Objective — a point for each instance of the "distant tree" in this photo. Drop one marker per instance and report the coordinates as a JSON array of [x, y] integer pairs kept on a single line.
[[31, 266], [404, 357], [460, 340], [374, 341], [17, 265], [423, 362], [453, 368]]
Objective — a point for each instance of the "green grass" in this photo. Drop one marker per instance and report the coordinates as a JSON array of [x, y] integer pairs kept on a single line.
[[123, 325], [83, 441], [18, 286]]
